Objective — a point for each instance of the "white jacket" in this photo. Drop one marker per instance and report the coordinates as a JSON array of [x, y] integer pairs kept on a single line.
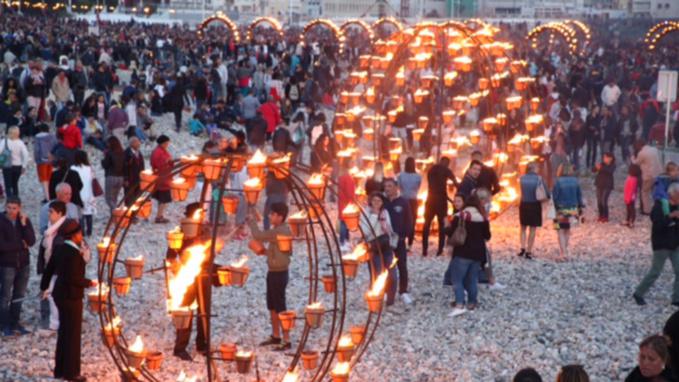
[[18, 150], [381, 224], [86, 193]]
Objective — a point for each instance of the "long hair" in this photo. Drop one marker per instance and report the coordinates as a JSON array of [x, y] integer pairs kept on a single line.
[[81, 158], [113, 144], [409, 165]]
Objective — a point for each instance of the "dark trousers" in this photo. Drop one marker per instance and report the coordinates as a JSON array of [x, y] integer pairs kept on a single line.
[[402, 264], [413, 211], [13, 285], [631, 212], [67, 356], [11, 177], [178, 119], [437, 210], [86, 223], [591, 154], [183, 336], [129, 194], [602, 195]]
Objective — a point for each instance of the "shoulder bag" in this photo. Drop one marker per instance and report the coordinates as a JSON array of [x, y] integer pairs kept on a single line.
[[5, 156], [541, 191], [460, 233]]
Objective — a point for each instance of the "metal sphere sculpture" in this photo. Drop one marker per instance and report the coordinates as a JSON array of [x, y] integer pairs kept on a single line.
[[324, 323]]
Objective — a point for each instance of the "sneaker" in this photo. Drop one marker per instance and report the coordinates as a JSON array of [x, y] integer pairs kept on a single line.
[[405, 297], [471, 307], [283, 346], [271, 341], [20, 330], [521, 253], [528, 255], [638, 299], [497, 286], [457, 312]]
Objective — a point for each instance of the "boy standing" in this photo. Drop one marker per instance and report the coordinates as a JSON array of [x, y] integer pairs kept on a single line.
[[277, 275]]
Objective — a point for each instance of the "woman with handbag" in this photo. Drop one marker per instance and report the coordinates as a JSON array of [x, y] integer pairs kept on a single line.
[[376, 228], [471, 230], [567, 198], [81, 165], [533, 193]]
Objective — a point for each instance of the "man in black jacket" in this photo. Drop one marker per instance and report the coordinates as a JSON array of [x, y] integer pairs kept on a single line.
[[16, 236], [402, 223], [487, 177], [665, 244], [134, 164], [437, 201]]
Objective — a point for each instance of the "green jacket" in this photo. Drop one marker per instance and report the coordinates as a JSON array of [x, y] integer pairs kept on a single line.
[[276, 260]]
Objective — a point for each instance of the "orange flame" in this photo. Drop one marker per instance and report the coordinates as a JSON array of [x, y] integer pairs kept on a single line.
[[258, 158], [240, 263], [378, 286], [342, 368], [137, 346], [185, 277]]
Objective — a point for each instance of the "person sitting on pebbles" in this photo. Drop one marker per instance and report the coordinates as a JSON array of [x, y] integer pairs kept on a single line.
[[278, 262]]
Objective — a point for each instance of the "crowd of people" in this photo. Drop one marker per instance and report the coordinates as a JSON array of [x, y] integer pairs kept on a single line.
[[63, 95]]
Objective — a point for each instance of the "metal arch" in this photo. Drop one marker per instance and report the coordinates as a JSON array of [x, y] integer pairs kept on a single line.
[[274, 23], [223, 19], [360, 23]]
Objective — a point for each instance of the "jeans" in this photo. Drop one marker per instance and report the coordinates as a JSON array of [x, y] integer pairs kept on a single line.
[[657, 264], [380, 263], [13, 285], [602, 195], [575, 158], [112, 187], [465, 273], [178, 119], [625, 142], [402, 265], [11, 177], [413, 212], [86, 224], [343, 232]]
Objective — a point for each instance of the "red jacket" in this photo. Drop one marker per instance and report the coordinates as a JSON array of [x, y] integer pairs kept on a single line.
[[161, 162], [72, 137], [271, 115], [346, 191]]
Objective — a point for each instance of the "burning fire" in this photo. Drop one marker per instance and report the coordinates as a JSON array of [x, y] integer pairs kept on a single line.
[[179, 283], [115, 322], [252, 183], [178, 181], [137, 346], [197, 214], [291, 376], [316, 179], [243, 354], [350, 209], [345, 342], [257, 159], [240, 263], [378, 286], [184, 378], [315, 306], [102, 290], [342, 368]]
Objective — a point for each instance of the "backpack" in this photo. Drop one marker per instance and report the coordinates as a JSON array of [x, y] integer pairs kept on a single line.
[[293, 94]]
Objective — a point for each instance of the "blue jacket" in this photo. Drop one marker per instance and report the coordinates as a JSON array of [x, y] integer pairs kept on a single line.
[[400, 215], [662, 183], [566, 193]]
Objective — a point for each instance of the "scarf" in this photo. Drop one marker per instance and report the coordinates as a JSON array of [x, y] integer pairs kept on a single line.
[[48, 238]]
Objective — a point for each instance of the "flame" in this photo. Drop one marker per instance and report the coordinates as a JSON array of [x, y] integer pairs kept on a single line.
[[345, 342], [299, 215], [474, 133], [534, 119], [359, 250], [258, 158], [463, 60], [197, 214], [421, 92], [178, 181], [184, 378], [283, 159], [240, 263], [378, 286], [517, 139], [315, 306], [291, 376], [115, 322], [316, 180], [350, 209], [189, 158], [252, 183], [185, 277], [102, 290], [243, 354], [137, 346], [105, 242], [342, 368]]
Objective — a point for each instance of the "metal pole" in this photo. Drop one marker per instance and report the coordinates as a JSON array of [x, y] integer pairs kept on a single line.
[[667, 115]]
